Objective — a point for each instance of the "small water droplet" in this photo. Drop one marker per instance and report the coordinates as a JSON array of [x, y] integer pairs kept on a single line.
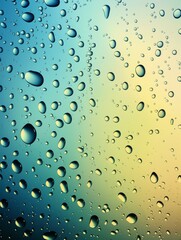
[[154, 177], [94, 221], [16, 166], [61, 143], [161, 113], [140, 70], [122, 197], [64, 186], [140, 106], [132, 218], [72, 33]]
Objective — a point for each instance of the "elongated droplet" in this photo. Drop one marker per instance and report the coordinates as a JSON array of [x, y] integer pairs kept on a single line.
[[52, 3], [122, 197], [61, 143], [28, 134], [64, 186], [106, 10], [42, 107], [72, 33], [16, 166], [51, 37], [154, 177], [50, 235], [94, 221], [28, 17], [140, 106], [34, 78], [140, 70]]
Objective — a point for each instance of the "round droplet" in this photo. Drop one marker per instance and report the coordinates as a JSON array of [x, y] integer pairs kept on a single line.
[[16, 166], [94, 221], [4, 142], [34, 78], [177, 13], [161, 113], [117, 134], [25, 3], [68, 92], [36, 193], [65, 206], [61, 143], [160, 204], [50, 235], [61, 171], [112, 44], [140, 70], [72, 33], [52, 3], [154, 177], [67, 118], [28, 134], [140, 106], [51, 37], [42, 107], [106, 11], [74, 165], [64, 186], [49, 182], [28, 17], [20, 222], [122, 197], [131, 218], [128, 149]]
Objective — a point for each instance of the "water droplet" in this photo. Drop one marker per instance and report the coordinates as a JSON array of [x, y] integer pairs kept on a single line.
[[128, 149], [131, 218], [65, 206], [42, 107], [3, 203], [52, 3], [61, 143], [106, 10], [36, 193], [28, 17], [74, 165], [64, 186], [177, 13], [61, 171], [160, 204], [16, 166], [140, 106], [94, 221], [49, 182], [154, 177], [50, 235], [68, 92], [51, 37], [72, 33], [20, 222], [34, 78], [140, 70], [122, 197], [81, 203], [161, 113], [28, 134], [4, 142], [111, 76], [25, 3], [112, 44], [67, 118]]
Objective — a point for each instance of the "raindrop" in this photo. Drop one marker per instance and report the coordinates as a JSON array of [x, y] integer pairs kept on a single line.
[[74, 165], [34, 78], [61, 171], [50, 235], [52, 3], [131, 218], [140, 70], [23, 184], [154, 177], [122, 197], [140, 106], [42, 107], [111, 76], [51, 37], [128, 149], [49, 182], [28, 17], [68, 92], [177, 13], [81, 203], [20, 222], [72, 33], [4, 142], [61, 143], [36, 193], [28, 134], [64, 186], [3, 203], [161, 113], [106, 10], [16, 166], [94, 221]]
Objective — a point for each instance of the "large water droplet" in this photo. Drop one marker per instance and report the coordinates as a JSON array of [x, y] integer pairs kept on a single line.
[[49, 182], [106, 10], [50, 235], [52, 3], [28, 17], [20, 222], [74, 165], [28, 134], [177, 13], [154, 177], [61, 171], [42, 107], [61, 143], [140, 70], [4, 142], [72, 33], [122, 197], [131, 218], [36, 193], [94, 221], [64, 186], [161, 113], [16, 166], [34, 78]]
